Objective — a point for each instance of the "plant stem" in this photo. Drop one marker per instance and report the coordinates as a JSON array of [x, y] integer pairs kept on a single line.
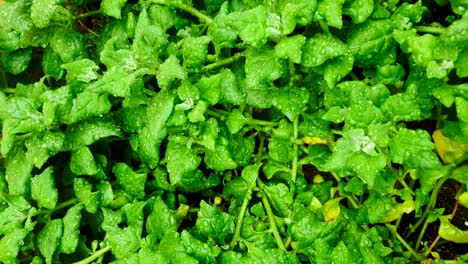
[[421, 234], [271, 220], [353, 201], [259, 122], [189, 9], [240, 219], [260, 147], [431, 30], [8, 90], [429, 206], [90, 13], [58, 207], [402, 241], [94, 256], [288, 242], [296, 149], [223, 62], [4, 81]]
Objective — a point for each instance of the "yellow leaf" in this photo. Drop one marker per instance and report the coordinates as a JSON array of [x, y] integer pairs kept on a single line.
[[331, 209], [463, 199], [449, 150], [315, 140], [435, 255]]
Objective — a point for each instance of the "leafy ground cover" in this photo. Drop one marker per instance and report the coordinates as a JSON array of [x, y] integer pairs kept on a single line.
[[299, 131]]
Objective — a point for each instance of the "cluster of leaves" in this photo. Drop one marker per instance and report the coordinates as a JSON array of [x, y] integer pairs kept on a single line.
[[240, 131]]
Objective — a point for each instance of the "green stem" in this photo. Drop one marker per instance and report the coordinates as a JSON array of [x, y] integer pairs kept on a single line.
[[296, 149], [337, 132], [324, 27], [90, 13], [259, 122], [402, 241], [421, 233], [193, 11], [8, 90], [430, 205], [430, 30], [223, 62], [353, 201], [4, 81], [271, 220], [260, 146], [58, 207], [240, 219], [438, 115], [94, 256], [402, 182]]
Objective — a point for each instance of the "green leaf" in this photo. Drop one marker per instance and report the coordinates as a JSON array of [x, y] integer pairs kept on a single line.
[[359, 10], [462, 109], [296, 12], [42, 146], [280, 150], [83, 191], [251, 25], [161, 219], [124, 242], [456, 34], [112, 7], [320, 48], [450, 232], [84, 70], [194, 51], [82, 162], [71, 232], [337, 69], [330, 11], [68, 44], [149, 42], [462, 60], [17, 61], [213, 223], [222, 36], [242, 149], [11, 244], [250, 175], [19, 115], [414, 149], [48, 238], [130, 181], [42, 12], [169, 71], [220, 158], [208, 132], [371, 43], [356, 152], [146, 143], [403, 107], [18, 172], [236, 121], [362, 114], [51, 63], [262, 67], [181, 160], [88, 132], [291, 101], [203, 252], [291, 48], [389, 74], [43, 189], [280, 199]]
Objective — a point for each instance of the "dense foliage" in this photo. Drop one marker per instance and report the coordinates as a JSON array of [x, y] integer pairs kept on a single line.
[[245, 131]]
